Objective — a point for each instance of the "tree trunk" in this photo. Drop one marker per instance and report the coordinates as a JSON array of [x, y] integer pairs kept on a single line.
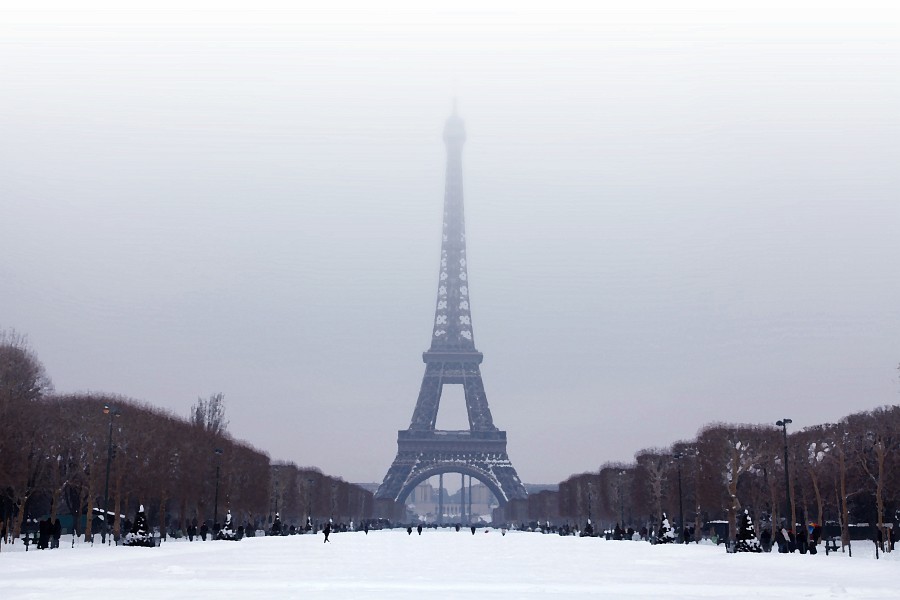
[[126, 504], [183, 513], [54, 503], [697, 525], [88, 524], [793, 506], [773, 494], [734, 505], [845, 512], [19, 518], [162, 517], [879, 493], [820, 503], [117, 507], [76, 513]]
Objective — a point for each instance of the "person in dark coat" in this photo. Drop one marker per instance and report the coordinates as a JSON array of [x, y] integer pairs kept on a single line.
[[419, 529], [815, 534], [327, 531], [57, 533], [44, 531], [765, 539], [204, 530], [802, 541], [782, 541]]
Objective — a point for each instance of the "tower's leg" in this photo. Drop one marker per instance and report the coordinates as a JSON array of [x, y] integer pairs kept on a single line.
[[480, 418], [441, 499], [425, 414]]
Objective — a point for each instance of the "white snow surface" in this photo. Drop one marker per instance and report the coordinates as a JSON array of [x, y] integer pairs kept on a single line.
[[438, 565]]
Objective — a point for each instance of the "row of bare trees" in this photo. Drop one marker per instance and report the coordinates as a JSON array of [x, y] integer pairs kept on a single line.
[[845, 472], [66, 454], [305, 493]]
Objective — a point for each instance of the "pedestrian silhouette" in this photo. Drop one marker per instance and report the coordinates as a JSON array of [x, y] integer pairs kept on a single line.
[[57, 533]]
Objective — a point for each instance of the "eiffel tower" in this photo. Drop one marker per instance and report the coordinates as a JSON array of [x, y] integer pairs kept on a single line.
[[480, 451]]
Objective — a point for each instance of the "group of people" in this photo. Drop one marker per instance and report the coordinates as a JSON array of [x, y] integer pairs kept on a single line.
[[203, 531], [48, 532], [787, 541]]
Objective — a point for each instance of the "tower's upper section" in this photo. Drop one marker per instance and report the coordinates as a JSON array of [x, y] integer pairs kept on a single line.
[[452, 316], [454, 130]]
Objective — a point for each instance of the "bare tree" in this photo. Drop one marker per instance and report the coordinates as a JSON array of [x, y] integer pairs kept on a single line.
[[876, 439], [652, 469], [209, 414], [22, 375]]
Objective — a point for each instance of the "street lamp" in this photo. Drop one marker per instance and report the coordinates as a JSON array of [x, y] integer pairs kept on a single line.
[[678, 456], [276, 496], [112, 412], [218, 452], [590, 498], [622, 498], [333, 499], [309, 484], [783, 423]]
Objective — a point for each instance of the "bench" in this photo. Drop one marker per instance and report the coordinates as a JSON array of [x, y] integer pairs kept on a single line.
[[830, 545]]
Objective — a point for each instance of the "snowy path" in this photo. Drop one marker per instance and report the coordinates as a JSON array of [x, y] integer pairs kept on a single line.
[[439, 565]]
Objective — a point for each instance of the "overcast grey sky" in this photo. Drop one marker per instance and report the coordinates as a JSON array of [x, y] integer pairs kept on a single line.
[[674, 216]]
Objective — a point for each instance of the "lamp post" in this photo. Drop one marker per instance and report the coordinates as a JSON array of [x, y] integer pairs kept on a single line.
[[276, 496], [788, 512], [309, 484], [218, 452], [590, 499], [333, 499], [678, 456], [622, 498], [112, 412]]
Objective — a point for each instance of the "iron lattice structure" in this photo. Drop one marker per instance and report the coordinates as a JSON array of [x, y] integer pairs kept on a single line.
[[480, 451]]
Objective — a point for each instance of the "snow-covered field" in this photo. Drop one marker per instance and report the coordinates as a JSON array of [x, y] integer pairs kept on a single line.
[[439, 565]]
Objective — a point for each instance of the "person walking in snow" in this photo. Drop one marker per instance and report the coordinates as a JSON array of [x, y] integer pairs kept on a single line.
[[327, 531]]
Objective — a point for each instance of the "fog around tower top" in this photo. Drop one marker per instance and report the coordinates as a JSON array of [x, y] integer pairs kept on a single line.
[[673, 216]]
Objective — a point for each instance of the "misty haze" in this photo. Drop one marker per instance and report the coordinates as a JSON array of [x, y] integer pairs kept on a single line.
[[672, 220]]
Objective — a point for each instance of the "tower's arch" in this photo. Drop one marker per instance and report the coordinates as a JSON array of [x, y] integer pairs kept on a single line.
[[443, 469]]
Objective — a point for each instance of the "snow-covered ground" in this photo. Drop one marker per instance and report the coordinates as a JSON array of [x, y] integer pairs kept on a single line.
[[439, 565]]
